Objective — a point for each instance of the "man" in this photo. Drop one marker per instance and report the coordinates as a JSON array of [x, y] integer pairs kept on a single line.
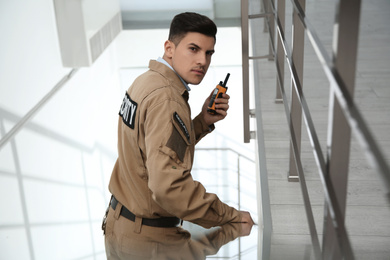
[[151, 183]]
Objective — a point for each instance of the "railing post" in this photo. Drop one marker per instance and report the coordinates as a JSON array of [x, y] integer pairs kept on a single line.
[[339, 137], [280, 56], [238, 182], [271, 30], [298, 43], [245, 67]]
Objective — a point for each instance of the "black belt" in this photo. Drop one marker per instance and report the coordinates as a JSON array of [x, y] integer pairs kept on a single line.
[[155, 222]]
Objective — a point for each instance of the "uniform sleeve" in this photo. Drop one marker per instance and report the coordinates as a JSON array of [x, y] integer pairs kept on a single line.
[[201, 128], [169, 162], [213, 241]]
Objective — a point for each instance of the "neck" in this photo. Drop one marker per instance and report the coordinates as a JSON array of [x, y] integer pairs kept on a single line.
[[167, 60]]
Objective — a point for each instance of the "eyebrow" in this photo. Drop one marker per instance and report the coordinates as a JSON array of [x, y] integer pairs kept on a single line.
[[198, 47]]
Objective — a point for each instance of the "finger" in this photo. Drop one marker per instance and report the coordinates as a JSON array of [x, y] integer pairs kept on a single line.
[[225, 98], [245, 229], [224, 107], [221, 101], [220, 114]]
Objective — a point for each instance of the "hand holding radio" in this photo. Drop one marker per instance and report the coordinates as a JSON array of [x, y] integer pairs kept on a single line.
[[216, 106], [217, 93]]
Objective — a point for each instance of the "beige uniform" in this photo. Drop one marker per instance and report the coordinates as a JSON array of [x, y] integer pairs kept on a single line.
[[166, 243], [156, 142]]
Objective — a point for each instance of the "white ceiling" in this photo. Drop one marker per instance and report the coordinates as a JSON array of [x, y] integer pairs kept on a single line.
[[137, 5], [158, 13]]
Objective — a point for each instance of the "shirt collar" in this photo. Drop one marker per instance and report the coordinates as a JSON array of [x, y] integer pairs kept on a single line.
[[161, 60]]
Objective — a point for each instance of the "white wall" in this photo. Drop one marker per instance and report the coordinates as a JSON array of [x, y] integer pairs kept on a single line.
[[54, 173]]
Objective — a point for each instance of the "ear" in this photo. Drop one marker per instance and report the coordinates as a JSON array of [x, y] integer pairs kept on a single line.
[[169, 49]]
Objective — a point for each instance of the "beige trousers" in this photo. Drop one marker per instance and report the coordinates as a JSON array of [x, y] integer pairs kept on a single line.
[[125, 239]]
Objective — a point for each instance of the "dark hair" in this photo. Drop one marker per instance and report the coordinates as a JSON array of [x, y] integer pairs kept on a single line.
[[190, 22]]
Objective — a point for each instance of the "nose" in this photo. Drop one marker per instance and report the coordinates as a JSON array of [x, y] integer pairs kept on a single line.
[[202, 59]]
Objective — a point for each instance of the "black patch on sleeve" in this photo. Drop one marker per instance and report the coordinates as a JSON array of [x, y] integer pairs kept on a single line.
[[182, 125], [180, 137], [177, 144], [128, 111]]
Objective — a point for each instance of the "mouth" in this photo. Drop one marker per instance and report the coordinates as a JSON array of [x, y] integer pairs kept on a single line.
[[199, 71]]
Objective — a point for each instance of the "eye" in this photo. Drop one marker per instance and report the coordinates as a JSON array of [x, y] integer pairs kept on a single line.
[[193, 49]]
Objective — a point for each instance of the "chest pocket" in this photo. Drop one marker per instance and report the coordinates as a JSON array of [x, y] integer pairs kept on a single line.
[[180, 137]]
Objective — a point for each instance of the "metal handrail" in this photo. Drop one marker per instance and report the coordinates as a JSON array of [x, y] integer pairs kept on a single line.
[[334, 208], [352, 115], [351, 112], [296, 152]]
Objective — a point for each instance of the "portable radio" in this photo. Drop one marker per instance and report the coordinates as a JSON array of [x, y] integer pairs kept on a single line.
[[217, 93]]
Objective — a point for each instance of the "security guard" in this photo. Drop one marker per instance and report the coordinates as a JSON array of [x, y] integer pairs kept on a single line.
[[151, 183]]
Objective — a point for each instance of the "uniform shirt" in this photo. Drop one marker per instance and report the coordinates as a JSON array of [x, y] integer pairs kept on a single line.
[[166, 63], [156, 142]]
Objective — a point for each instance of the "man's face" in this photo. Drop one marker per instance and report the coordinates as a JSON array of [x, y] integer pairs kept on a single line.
[[191, 57]]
